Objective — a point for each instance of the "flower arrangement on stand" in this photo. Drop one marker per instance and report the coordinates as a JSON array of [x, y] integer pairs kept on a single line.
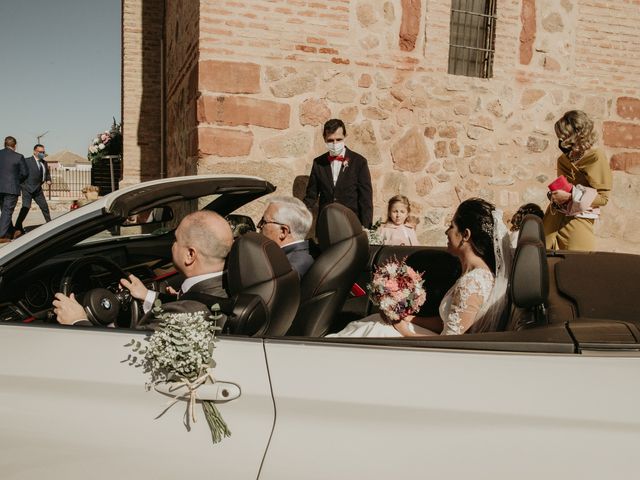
[[180, 352], [397, 289], [108, 142]]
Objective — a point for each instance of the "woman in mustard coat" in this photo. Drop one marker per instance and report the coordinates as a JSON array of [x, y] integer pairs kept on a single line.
[[569, 219]]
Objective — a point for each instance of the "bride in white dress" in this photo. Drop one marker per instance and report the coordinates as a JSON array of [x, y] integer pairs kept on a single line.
[[479, 238]]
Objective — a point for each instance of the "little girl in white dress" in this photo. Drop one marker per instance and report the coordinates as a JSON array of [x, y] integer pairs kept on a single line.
[[479, 238]]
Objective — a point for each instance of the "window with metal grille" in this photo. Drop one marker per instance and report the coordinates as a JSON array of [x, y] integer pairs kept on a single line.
[[472, 40]]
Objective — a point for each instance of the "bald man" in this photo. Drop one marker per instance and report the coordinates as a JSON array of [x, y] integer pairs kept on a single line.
[[202, 242]]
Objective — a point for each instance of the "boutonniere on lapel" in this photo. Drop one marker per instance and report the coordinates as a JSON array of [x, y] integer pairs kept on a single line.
[[345, 163]]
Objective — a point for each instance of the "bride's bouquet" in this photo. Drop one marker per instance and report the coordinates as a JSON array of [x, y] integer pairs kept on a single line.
[[397, 289]]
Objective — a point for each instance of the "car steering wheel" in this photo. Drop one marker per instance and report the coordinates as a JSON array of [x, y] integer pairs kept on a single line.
[[102, 305]]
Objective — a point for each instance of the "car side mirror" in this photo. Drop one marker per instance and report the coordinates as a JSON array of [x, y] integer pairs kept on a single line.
[[149, 216], [240, 224]]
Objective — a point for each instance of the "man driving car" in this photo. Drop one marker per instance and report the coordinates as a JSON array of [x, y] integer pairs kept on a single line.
[[202, 242]]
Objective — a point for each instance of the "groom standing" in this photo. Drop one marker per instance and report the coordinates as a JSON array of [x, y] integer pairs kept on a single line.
[[340, 175]]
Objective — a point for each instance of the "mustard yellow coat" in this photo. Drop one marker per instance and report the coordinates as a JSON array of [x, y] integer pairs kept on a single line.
[[572, 233]]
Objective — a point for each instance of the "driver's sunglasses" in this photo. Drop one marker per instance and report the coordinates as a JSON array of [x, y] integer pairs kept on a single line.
[[264, 222]]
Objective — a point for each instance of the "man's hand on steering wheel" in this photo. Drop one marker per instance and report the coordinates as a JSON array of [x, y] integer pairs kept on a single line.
[[67, 309], [135, 286]]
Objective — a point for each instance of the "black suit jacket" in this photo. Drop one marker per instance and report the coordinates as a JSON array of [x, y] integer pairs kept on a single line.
[[211, 286], [353, 188], [299, 257], [33, 182], [13, 171]]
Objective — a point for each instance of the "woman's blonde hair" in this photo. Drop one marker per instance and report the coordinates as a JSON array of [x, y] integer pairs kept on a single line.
[[575, 131], [396, 199]]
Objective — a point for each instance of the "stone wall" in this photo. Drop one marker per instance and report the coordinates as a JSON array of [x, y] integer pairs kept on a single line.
[[270, 73]]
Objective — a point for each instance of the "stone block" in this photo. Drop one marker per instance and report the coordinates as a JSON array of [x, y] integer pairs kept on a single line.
[[228, 77], [365, 80], [482, 166], [537, 144], [627, 162], [429, 132], [528, 31], [288, 145], [461, 109], [553, 23], [294, 85], [243, 111], [481, 121], [424, 186], [531, 96], [447, 131], [224, 142], [314, 112], [375, 113], [441, 149], [628, 107], [410, 152], [349, 114], [341, 93], [366, 14], [619, 134]]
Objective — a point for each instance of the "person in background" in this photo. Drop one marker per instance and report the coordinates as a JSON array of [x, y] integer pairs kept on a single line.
[[518, 217], [395, 231], [340, 175], [13, 171], [287, 221], [587, 180], [38, 175]]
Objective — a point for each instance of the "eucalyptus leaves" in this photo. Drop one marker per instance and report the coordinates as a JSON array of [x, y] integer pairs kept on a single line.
[[180, 351]]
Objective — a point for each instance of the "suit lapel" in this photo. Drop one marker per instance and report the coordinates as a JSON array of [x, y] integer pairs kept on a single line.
[[347, 161]]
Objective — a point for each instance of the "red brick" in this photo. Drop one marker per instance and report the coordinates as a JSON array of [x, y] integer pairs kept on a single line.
[[229, 77], [627, 162], [410, 24], [306, 48], [316, 40], [243, 111], [330, 51], [618, 134], [224, 142], [338, 60], [528, 31], [628, 107]]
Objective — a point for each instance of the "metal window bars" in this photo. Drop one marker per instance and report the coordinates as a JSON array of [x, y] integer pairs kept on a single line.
[[472, 39]]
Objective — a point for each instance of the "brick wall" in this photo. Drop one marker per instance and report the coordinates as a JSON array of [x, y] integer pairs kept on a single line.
[[271, 71], [141, 89]]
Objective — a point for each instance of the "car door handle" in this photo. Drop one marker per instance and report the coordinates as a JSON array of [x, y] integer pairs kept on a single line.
[[218, 392]]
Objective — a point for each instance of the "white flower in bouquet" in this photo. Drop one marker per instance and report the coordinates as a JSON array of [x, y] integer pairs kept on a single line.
[[101, 146], [181, 351]]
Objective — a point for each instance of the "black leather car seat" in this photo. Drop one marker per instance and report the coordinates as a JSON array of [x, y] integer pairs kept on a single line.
[[344, 253], [265, 290], [529, 283]]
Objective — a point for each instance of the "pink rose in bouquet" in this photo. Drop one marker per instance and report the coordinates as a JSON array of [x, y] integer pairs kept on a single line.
[[397, 289]]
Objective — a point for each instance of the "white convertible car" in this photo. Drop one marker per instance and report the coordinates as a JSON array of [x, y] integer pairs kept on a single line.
[[552, 395]]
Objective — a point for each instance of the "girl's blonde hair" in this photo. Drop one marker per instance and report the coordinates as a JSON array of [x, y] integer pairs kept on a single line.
[[396, 199], [575, 131]]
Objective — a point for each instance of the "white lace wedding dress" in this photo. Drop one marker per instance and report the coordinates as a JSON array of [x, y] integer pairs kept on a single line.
[[458, 310]]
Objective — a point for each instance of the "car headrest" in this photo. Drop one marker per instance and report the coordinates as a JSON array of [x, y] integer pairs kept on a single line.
[[335, 224], [529, 275], [254, 259], [531, 229], [258, 266]]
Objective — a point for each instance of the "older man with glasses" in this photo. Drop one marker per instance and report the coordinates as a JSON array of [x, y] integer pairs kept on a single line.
[[287, 221], [38, 175]]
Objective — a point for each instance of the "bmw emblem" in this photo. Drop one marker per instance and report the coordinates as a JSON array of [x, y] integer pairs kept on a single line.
[[105, 303]]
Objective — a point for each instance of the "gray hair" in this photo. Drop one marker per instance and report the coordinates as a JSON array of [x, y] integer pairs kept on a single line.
[[293, 213]]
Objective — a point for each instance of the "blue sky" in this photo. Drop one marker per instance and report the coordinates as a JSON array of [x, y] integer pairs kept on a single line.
[[60, 62]]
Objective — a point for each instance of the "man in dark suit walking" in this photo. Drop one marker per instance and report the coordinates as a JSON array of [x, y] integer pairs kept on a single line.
[[287, 221], [202, 242], [13, 170], [38, 175], [340, 175]]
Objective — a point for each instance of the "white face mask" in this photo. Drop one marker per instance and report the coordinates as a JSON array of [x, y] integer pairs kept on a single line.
[[335, 148]]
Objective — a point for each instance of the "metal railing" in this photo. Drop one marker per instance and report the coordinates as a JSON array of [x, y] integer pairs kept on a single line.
[[67, 183]]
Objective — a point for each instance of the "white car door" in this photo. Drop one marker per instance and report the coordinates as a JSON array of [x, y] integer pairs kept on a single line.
[[358, 411], [70, 409]]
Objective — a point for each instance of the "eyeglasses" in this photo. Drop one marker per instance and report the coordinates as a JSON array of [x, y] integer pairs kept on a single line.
[[264, 222]]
